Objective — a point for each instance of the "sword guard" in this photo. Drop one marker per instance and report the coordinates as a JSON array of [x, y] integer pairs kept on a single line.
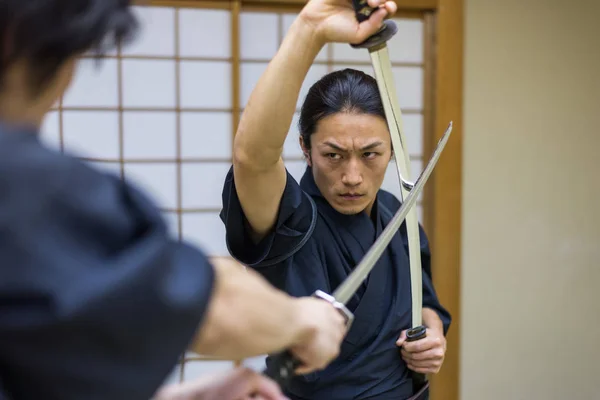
[[416, 333], [342, 309], [387, 31], [282, 365]]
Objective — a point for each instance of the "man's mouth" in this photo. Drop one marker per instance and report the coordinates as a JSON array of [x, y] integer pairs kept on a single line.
[[351, 196]]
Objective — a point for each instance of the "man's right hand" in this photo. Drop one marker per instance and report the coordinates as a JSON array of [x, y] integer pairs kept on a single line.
[[323, 330], [335, 20]]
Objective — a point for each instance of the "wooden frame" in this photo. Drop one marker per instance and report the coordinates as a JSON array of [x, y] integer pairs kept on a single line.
[[444, 30]]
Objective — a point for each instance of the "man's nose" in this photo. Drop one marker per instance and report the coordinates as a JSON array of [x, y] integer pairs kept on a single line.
[[352, 175]]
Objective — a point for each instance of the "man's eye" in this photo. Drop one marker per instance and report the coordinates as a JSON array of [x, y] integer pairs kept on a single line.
[[333, 156]]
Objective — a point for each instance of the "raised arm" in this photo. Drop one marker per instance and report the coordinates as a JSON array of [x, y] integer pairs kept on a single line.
[[259, 172]]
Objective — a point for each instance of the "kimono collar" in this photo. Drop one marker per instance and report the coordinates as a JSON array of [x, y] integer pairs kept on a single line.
[[308, 184]]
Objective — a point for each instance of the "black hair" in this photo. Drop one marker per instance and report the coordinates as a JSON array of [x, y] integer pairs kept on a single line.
[[346, 90], [46, 33]]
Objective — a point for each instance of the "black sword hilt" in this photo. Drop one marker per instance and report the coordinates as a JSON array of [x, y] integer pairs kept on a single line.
[[282, 366], [363, 12], [412, 335]]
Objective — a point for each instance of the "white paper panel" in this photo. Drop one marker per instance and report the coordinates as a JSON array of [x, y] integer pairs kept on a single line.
[[95, 85], [205, 84], [249, 75], [315, 73], [344, 52], [416, 167], [157, 32], [172, 222], [288, 19], [92, 134], [207, 231], [296, 169], [50, 130], [258, 35], [409, 87], [407, 45], [291, 147], [202, 184], [157, 180], [112, 168], [149, 135], [204, 33], [413, 130], [149, 83], [206, 135]]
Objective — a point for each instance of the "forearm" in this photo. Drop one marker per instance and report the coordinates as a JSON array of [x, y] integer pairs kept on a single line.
[[246, 316], [432, 320], [267, 117]]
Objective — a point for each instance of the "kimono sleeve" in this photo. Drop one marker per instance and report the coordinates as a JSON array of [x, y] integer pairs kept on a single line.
[[295, 219], [98, 301]]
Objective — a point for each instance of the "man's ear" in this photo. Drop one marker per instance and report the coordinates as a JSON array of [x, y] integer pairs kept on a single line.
[[305, 151]]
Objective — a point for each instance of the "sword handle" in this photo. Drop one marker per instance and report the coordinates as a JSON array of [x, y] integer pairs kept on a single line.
[[363, 12], [283, 365], [412, 335]]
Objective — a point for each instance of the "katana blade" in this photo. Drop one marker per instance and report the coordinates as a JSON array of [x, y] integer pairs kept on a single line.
[[387, 89], [349, 286]]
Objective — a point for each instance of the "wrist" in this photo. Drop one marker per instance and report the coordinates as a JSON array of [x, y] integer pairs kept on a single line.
[[304, 327], [306, 31], [432, 321]]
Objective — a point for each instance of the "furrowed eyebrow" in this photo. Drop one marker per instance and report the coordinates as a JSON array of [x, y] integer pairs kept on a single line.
[[334, 146], [364, 148], [371, 146]]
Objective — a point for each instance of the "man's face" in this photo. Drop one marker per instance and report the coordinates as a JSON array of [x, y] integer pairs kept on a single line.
[[349, 157]]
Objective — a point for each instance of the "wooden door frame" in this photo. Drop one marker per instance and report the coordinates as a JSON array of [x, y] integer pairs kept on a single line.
[[444, 21]]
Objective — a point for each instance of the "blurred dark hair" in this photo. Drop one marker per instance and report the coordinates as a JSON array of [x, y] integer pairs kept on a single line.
[[346, 90], [47, 33]]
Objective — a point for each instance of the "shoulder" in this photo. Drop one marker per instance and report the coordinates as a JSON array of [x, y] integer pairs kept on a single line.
[[27, 164], [38, 183], [294, 225]]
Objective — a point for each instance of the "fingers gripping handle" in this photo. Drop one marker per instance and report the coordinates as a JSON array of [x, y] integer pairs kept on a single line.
[[282, 366], [363, 12], [412, 335]]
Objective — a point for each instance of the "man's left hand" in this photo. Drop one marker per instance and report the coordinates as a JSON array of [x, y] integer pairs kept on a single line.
[[426, 355]]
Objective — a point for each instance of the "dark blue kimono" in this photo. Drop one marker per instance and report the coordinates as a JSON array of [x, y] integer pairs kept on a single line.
[[315, 247], [97, 300]]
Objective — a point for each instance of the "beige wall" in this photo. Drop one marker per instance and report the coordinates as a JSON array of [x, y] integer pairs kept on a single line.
[[531, 244]]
